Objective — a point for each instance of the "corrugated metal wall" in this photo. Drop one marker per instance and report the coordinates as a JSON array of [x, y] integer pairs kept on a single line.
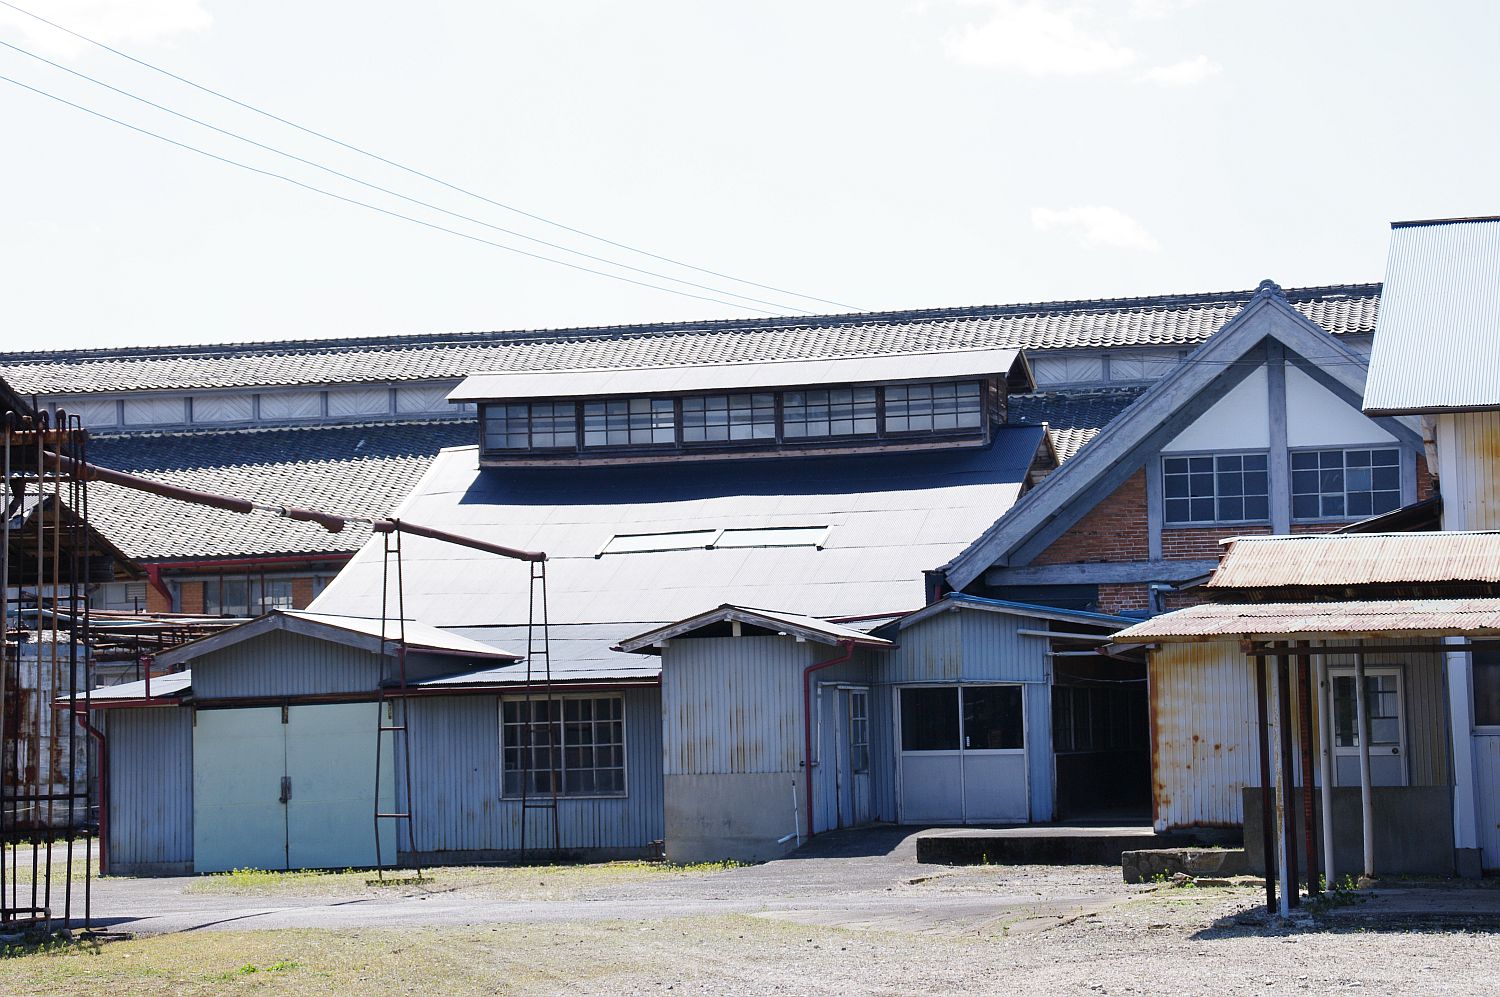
[[1469, 466], [1203, 728], [150, 789], [1487, 774], [284, 664], [456, 783]]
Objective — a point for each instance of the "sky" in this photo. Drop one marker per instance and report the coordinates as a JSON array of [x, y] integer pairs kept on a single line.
[[871, 155]]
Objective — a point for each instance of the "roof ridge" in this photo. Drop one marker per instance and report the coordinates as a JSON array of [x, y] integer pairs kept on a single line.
[[644, 329]]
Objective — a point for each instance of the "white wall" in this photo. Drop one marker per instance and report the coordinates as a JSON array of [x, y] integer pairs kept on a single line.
[[1239, 421], [1316, 417]]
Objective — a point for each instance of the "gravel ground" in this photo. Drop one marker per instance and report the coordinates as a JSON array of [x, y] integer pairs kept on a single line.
[[858, 916]]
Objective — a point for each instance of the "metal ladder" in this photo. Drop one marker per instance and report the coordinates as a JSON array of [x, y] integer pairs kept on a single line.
[[396, 703], [539, 659]]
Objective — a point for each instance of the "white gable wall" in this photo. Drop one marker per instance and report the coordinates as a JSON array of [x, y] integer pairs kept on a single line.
[[1240, 420], [1316, 417]]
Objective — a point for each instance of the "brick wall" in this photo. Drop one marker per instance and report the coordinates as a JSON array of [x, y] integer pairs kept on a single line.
[[1201, 543], [156, 600], [1133, 597], [1114, 530], [190, 594], [1425, 489], [302, 593]]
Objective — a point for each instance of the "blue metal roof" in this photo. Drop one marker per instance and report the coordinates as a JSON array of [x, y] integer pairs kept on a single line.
[[1437, 340], [890, 517]]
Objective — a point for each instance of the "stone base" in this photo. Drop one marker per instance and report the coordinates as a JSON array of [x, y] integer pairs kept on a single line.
[[1148, 865]]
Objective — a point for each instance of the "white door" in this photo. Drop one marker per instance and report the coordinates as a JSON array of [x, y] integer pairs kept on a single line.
[[330, 760], [963, 754], [239, 819], [1385, 710], [297, 793], [860, 807]]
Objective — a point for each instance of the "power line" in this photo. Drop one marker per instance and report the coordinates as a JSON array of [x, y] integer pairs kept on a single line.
[[374, 207], [392, 193], [415, 172]]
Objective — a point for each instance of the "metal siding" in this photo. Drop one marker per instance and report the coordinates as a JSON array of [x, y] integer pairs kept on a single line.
[[1439, 313], [1425, 702], [1041, 762], [1203, 721], [1487, 771], [994, 650], [883, 744], [150, 786], [1469, 467], [931, 651], [286, 664], [456, 783]]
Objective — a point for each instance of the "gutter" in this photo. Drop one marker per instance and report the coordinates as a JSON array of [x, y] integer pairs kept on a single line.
[[844, 656]]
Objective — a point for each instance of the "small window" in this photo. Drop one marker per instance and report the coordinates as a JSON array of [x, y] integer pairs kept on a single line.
[[627, 421], [540, 426], [834, 412], [1487, 685], [927, 408], [1382, 710], [1345, 484], [574, 744], [707, 418], [992, 718], [1215, 488], [859, 731], [929, 719], [641, 543]]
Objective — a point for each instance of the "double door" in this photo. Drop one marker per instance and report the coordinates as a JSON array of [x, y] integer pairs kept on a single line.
[[289, 788], [963, 754]]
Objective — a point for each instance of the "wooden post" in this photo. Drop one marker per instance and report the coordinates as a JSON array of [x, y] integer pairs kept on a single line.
[[1366, 801], [1263, 728], [1303, 665], [1286, 829]]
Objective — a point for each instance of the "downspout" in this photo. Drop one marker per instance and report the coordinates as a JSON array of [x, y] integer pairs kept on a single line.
[[83, 721], [844, 656]]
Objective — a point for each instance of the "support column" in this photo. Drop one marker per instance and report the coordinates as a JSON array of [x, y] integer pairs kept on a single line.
[[1366, 794], [1303, 665], [1285, 783], [1267, 809], [1459, 670], [1325, 745]]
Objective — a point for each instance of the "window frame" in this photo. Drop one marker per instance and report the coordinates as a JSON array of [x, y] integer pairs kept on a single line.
[[1347, 516], [885, 432], [729, 408], [652, 402], [1161, 472], [562, 723], [530, 431], [877, 393], [1490, 650]]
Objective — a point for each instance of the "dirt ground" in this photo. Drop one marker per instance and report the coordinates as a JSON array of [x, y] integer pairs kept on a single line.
[[859, 916]]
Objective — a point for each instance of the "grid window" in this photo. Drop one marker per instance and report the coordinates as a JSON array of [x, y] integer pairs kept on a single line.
[[859, 731], [554, 425], [916, 408], [505, 427], [1218, 488], [540, 426], [728, 417], [575, 743], [1339, 484], [626, 421], [834, 412]]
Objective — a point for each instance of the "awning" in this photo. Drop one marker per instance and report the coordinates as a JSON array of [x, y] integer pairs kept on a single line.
[[1366, 618]]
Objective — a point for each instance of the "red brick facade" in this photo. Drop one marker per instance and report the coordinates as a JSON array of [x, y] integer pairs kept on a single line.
[[1114, 530], [302, 592], [1201, 543], [1425, 489], [1128, 598]]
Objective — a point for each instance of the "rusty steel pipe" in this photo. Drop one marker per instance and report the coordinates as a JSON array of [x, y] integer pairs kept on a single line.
[[412, 529]]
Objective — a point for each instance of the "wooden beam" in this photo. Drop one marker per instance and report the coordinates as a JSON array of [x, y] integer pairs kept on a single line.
[[1100, 572]]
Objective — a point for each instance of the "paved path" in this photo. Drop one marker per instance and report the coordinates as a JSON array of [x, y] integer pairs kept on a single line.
[[869, 878]]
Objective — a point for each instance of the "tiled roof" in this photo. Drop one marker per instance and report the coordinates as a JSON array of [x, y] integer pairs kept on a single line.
[[362, 470], [1075, 417], [1152, 321]]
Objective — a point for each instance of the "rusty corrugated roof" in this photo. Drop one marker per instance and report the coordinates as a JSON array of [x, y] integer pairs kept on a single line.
[[1365, 618], [1359, 559]]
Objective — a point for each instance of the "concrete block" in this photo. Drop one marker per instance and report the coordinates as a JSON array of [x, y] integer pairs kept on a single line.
[[1413, 830], [1148, 864]]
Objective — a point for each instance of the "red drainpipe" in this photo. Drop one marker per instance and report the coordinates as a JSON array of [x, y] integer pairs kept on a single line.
[[153, 575], [82, 717], [807, 740]]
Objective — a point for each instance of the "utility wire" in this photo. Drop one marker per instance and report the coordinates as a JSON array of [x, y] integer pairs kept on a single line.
[[415, 172], [375, 207], [392, 193]]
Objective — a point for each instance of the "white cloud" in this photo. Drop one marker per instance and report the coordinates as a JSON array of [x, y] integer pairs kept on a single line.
[[1038, 39], [1158, 8], [1184, 73], [1096, 225], [114, 22]]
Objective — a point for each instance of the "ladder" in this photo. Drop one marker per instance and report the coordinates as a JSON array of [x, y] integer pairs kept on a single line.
[[537, 794], [393, 713]]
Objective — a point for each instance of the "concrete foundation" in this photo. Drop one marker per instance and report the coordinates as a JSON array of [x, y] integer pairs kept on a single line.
[[1413, 830], [1154, 863], [741, 817], [1040, 845]]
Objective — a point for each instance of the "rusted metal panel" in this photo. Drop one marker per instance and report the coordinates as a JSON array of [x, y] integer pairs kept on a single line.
[[44, 762], [1376, 618], [1202, 733], [150, 789], [456, 788], [1359, 559], [1469, 465]]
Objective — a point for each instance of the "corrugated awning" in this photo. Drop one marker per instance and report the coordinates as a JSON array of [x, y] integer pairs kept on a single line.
[[678, 379], [1359, 559], [1375, 618]]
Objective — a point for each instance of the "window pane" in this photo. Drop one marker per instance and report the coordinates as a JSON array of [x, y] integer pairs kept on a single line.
[[1487, 686], [992, 718], [929, 719]]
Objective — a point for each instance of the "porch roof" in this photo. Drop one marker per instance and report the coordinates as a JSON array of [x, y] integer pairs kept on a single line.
[[1364, 618], [1359, 559]]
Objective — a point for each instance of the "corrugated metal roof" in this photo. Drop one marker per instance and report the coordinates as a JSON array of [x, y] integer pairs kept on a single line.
[[1358, 559], [1162, 320], [795, 624], [1373, 618], [889, 521], [960, 600], [162, 686], [675, 379], [1437, 342]]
